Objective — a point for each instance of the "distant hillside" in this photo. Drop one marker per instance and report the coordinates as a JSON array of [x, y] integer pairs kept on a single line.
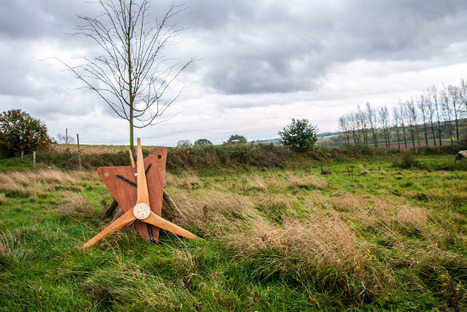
[[322, 137], [276, 142]]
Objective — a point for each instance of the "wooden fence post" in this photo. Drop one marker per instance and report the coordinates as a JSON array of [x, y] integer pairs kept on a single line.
[[79, 152], [67, 157], [34, 158]]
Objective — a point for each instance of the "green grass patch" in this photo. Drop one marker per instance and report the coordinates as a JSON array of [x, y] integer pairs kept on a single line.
[[368, 235]]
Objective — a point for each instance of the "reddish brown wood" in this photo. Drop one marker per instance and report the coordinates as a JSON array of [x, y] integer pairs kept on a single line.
[[126, 194]]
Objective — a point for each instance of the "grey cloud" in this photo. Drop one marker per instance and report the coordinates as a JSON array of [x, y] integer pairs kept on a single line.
[[23, 19], [260, 47]]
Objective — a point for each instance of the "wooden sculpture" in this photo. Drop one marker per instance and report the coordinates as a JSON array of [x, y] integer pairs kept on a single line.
[[141, 201]]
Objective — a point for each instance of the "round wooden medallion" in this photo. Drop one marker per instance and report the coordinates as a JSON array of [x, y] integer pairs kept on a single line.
[[141, 211]]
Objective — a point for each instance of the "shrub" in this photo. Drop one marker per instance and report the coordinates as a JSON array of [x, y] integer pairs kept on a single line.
[[19, 131], [406, 161], [236, 139], [203, 142], [300, 136]]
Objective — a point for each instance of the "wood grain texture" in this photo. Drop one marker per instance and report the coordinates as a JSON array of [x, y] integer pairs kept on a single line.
[[131, 159], [169, 226], [121, 222], [142, 189], [126, 194]]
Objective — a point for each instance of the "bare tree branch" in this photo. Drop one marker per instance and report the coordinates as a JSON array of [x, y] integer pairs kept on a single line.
[[132, 74]]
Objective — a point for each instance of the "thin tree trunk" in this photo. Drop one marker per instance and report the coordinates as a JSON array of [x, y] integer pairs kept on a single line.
[[439, 133], [405, 137], [433, 133], [398, 138], [426, 133], [130, 77], [131, 130]]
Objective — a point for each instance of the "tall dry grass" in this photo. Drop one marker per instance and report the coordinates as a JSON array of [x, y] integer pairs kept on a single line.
[[307, 181], [74, 204], [319, 241], [33, 183], [212, 208]]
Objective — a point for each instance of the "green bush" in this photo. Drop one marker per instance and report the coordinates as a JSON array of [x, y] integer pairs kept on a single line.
[[19, 131], [406, 161], [300, 135]]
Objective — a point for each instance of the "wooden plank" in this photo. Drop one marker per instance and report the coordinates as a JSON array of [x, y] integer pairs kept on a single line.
[[142, 189], [126, 194]]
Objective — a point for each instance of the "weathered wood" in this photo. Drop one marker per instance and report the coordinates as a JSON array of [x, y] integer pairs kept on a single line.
[[79, 152], [126, 219], [148, 197], [34, 159], [131, 159], [169, 226], [126, 194], [171, 204], [111, 209], [118, 214], [142, 189], [167, 199]]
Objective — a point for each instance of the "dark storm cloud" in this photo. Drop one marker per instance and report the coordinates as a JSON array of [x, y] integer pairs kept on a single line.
[[270, 46]]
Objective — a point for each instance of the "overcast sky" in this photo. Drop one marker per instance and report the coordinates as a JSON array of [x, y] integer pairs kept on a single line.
[[259, 64]]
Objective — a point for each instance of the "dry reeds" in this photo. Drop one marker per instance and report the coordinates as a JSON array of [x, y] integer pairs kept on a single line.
[[74, 204], [307, 181], [213, 207], [364, 170], [188, 180], [347, 202], [318, 241], [32, 183], [413, 217]]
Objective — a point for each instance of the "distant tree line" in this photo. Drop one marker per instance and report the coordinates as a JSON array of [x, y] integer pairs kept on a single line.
[[435, 114], [299, 136]]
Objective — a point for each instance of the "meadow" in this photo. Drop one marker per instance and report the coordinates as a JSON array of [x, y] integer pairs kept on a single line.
[[370, 233]]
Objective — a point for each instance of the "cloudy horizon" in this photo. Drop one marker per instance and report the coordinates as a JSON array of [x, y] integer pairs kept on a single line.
[[258, 64]]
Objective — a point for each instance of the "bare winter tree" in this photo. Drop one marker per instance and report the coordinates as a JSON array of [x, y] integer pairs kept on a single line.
[[431, 116], [383, 113], [132, 75], [345, 128], [422, 108], [411, 111], [447, 113], [354, 125], [403, 115], [455, 100], [397, 123], [433, 94], [463, 93], [372, 120], [362, 124]]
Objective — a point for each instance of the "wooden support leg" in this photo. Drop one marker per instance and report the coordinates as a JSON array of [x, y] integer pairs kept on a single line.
[[171, 204], [111, 209]]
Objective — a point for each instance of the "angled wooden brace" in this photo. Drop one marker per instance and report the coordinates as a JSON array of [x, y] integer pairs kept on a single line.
[[142, 203]]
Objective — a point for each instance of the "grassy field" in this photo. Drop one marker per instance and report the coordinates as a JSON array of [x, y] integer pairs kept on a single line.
[[387, 233]]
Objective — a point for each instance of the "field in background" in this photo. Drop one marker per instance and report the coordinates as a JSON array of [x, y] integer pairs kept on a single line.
[[330, 230]]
